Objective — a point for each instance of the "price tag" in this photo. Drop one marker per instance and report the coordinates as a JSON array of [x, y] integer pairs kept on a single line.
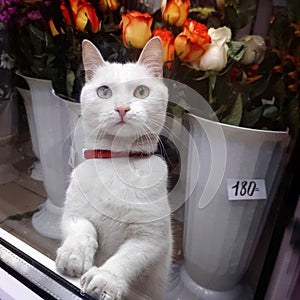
[[246, 189]]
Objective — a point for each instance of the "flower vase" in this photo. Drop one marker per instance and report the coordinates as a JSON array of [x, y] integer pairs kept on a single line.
[[36, 168], [51, 118], [8, 130], [222, 224], [74, 132]]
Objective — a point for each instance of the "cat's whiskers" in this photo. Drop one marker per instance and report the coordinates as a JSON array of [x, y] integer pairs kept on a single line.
[[148, 132], [146, 135], [160, 142], [139, 138], [97, 133]]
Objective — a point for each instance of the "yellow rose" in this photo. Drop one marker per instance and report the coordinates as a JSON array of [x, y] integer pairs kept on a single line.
[[175, 12], [136, 29]]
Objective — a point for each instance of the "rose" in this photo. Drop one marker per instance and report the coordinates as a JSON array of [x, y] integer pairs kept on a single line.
[[175, 12], [136, 29], [167, 40], [104, 5], [87, 14], [191, 44], [66, 14], [215, 57], [83, 13], [255, 49]]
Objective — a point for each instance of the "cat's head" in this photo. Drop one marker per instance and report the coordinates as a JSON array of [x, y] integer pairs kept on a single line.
[[126, 101]]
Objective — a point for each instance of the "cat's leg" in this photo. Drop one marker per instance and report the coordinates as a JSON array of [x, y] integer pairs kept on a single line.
[[76, 254], [154, 283], [134, 258]]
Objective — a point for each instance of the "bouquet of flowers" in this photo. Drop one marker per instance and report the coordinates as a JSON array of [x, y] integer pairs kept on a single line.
[[248, 80], [45, 39]]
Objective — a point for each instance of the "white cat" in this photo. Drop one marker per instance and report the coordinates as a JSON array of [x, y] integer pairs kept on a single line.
[[116, 222]]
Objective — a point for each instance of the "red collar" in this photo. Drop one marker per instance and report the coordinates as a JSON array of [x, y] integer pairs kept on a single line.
[[88, 154]]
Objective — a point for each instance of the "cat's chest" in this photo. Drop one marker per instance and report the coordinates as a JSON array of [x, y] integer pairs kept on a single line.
[[122, 173], [122, 188]]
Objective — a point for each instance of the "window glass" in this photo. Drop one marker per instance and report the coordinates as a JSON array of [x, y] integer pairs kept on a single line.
[[226, 135]]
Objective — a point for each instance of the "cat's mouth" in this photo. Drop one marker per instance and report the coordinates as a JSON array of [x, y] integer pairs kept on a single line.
[[121, 122]]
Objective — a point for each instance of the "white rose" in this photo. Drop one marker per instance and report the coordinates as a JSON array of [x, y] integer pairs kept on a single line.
[[215, 57], [220, 35], [255, 48]]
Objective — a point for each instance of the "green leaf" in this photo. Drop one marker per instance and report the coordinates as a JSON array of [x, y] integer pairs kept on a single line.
[[70, 82], [270, 111], [279, 90], [241, 14], [50, 59], [281, 33], [38, 33], [292, 115], [177, 111], [294, 10], [235, 116], [222, 90], [236, 50], [259, 86], [251, 117]]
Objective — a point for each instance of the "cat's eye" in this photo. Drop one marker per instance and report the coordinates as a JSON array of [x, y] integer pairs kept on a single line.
[[141, 92], [104, 92]]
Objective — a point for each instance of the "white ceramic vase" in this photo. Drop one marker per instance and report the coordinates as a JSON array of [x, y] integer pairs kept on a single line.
[[220, 235], [8, 130], [52, 123], [36, 168]]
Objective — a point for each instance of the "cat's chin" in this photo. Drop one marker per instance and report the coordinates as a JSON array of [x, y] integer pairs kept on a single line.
[[121, 129]]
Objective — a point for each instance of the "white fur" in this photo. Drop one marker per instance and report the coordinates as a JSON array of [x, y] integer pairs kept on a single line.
[[116, 222]]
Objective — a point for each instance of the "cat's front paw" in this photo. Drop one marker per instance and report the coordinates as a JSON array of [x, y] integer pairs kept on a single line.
[[75, 258], [102, 284]]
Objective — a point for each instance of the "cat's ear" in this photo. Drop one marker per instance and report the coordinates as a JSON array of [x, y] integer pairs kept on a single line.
[[152, 56], [91, 58]]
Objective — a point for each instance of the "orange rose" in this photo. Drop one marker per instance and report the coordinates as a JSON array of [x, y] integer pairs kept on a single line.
[[167, 40], [66, 14], [175, 12], [75, 4], [136, 29], [192, 43], [104, 5], [83, 13], [87, 14]]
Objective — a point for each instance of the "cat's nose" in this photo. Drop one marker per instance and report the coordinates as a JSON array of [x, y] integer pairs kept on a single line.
[[122, 110]]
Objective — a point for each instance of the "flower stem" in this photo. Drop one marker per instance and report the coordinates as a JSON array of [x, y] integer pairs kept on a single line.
[[211, 81]]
